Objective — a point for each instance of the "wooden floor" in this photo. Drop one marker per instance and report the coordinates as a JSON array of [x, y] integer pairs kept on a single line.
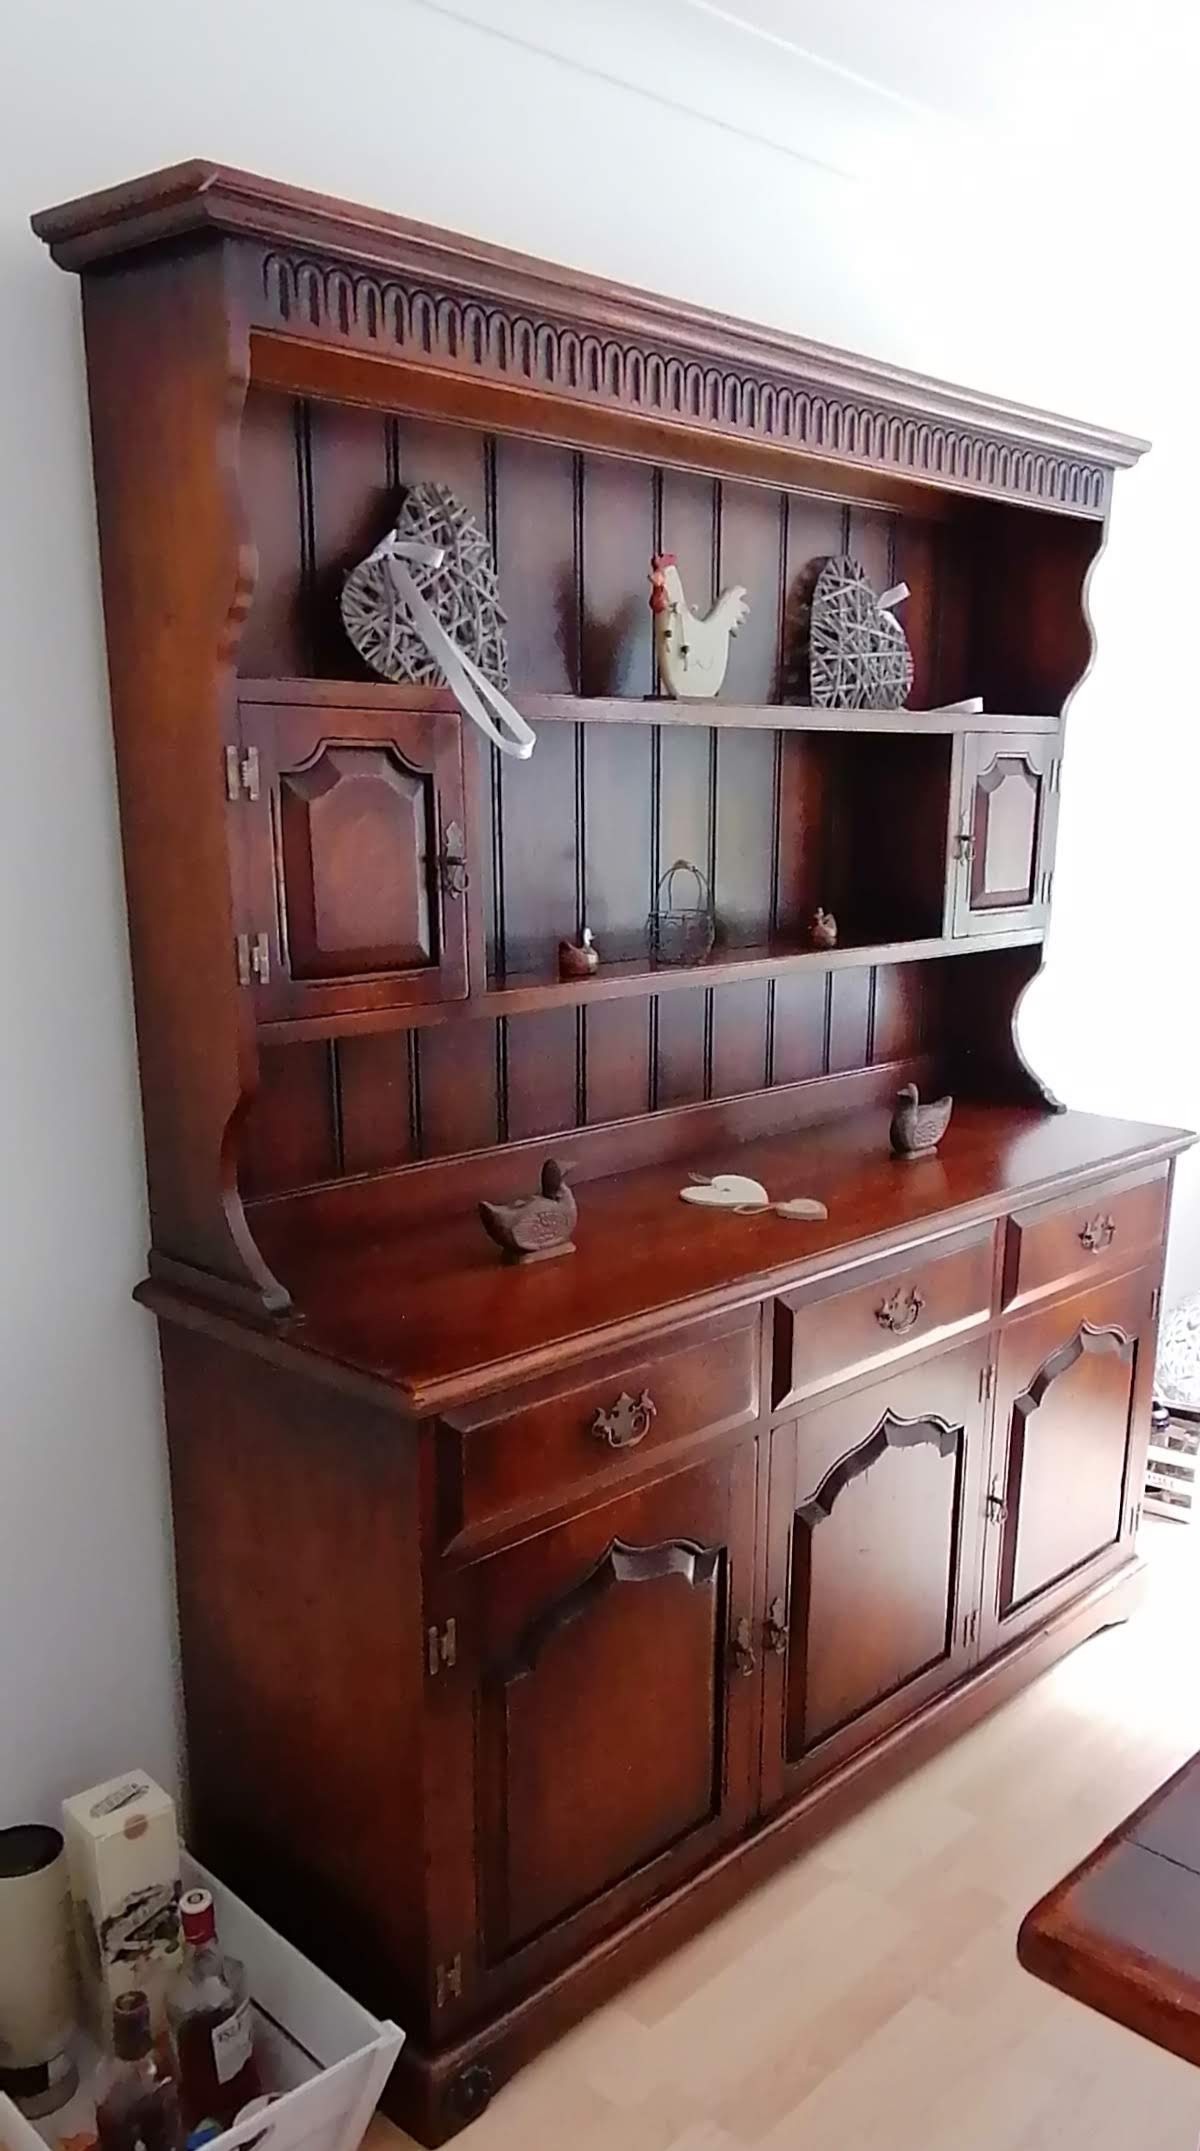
[[870, 1995]]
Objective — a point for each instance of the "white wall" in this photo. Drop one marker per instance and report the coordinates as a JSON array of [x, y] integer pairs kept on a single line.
[[894, 194]]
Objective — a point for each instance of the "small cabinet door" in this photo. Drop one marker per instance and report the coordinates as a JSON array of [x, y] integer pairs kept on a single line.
[[353, 891], [597, 1725], [872, 1592], [1071, 1427], [1002, 841]]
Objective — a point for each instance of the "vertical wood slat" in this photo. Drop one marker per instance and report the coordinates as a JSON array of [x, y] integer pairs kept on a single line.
[[458, 1088], [376, 1095], [849, 1020], [274, 640], [739, 1044], [680, 1071], [289, 1139], [799, 1040], [535, 563], [352, 505], [617, 1062], [542, 1097]]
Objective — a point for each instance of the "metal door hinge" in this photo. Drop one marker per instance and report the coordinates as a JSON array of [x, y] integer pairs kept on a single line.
[[442, 1647], [1155, 1301], [242, 779], [447, 1983], [1055, 772], [253, 960], [987, 1381], [995, 1505], [775, 1634], [964, 844], [969, 1626]]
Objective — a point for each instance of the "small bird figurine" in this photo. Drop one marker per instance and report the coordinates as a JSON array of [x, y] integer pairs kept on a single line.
[[578, 959], [823, 931], [692, 648], [918, 1129], [534, 1227]]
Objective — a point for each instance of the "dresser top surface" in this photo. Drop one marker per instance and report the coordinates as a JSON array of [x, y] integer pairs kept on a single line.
[[433, 1310]]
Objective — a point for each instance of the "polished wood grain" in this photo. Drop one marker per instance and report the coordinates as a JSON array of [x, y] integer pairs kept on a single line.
[[1120, 1932], [847, 1325], [534, 1639], [440, 1317], [559, 1444], [1052, 1246]]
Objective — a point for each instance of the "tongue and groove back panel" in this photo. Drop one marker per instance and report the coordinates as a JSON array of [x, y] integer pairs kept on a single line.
[[583, 832]]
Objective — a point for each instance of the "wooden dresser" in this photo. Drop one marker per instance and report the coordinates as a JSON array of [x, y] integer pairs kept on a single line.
[[529, 1614]]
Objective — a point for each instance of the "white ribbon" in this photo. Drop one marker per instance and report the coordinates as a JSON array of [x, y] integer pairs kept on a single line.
[[476, 696]]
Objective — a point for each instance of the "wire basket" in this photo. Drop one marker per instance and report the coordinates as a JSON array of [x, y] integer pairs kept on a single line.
[[681, 933]]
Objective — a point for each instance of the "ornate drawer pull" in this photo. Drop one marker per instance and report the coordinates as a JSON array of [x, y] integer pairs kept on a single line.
[[775, 1635], [902, 1310], [627, 1422], [1099, 1233], [742, 1650]]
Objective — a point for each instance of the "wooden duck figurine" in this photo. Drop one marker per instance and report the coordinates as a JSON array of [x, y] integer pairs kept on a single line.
[[578, 959], [918, 1129], [535, 1226], [823, 932]]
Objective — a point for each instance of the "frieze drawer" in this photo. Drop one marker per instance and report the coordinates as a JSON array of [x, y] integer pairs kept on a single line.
[[1054, 1244], [529, 1451], [843, 1327]]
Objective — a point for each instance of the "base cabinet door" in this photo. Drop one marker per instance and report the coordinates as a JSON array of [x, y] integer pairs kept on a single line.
[[874, 1509], [1072, 1416], [595, 1732]]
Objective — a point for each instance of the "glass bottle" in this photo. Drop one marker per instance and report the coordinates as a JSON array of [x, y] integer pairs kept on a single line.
[[138, 2106], [211, 2021]]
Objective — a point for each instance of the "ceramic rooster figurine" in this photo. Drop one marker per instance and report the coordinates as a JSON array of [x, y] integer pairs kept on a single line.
[[918, 1129], [534, 1226], [692, 651]]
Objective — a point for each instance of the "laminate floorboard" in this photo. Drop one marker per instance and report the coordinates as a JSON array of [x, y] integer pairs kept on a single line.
[[870, 1995]]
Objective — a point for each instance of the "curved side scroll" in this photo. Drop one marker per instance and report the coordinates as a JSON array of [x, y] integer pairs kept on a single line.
[[620, 1563], [892, 1432]]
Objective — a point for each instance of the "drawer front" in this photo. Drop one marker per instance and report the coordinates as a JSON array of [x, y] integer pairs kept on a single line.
[[829, 1333], [1054, 1245], [529, 1451]]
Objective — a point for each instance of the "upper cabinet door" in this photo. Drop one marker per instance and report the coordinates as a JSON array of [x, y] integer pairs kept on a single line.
[[1002, 844], [597, 1725], [354, 884], [1071, 1426]]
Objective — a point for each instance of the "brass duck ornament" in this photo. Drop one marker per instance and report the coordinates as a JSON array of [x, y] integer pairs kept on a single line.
[[918, 1129], [534, 1227]]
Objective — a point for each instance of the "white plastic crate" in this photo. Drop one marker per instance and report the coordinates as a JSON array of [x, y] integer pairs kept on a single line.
[[327, 2055]]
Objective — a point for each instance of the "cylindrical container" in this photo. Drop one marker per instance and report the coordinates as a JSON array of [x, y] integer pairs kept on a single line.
[[37, 1969]]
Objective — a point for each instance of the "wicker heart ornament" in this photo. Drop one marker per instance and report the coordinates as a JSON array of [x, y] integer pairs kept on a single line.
[[858, 654], [460, 590]]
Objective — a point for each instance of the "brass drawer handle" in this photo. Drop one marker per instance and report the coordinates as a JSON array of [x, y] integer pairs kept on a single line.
[[775, 1635], [742, 1650], [1099, 1233], [901, 1311], [627, 1422]]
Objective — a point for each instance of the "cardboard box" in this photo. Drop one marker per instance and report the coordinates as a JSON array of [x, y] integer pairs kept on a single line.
[[123, 1855]]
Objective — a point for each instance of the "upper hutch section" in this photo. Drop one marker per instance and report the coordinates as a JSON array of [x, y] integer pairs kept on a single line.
[[344, 916]]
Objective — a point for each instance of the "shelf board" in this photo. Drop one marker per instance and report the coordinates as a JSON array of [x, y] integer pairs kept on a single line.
[[648, 709], [529, 993]]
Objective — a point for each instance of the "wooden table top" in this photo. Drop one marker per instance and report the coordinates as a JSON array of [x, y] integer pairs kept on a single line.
[[434, 1313], [1122, 1933]]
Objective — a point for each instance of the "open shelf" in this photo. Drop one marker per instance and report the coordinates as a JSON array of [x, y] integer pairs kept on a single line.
[[529, 993], [651, 709]]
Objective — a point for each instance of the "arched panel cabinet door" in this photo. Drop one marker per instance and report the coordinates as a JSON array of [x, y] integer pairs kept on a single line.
[[1003, 828], [349, 839], [593, 1739], [872, 1591], [1072, 1423]]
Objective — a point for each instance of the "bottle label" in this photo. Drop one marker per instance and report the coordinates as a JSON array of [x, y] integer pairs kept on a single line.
[[231, 2045]]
